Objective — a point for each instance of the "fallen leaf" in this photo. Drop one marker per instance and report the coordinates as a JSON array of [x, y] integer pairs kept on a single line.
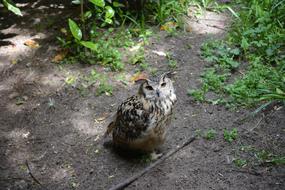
[[188, 28], [136, 47], [25, 135], [102, 117], [14, 61], [60, 56], [64, 31], [70, 80], [137, 76], [97, 138], [32, 44], [160, 53], [107, 94], [168, 26]]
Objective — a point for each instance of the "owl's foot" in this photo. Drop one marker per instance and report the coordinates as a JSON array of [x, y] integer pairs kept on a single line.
[[155, 156]]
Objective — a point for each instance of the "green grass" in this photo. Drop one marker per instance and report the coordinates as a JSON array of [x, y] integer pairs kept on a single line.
[[264, 157], [230, 135], [252, 156], [256, 42], [210, 134], [105, 28], [240, 162], [101, 81]]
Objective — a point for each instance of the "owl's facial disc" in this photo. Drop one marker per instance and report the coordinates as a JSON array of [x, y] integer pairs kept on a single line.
[[156, 89]]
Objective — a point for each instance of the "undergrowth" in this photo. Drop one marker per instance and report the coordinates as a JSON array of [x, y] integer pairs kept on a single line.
[[105, 28], [248, 67]]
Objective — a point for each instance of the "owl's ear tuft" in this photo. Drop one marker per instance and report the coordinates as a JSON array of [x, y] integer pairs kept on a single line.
[[169, 74]]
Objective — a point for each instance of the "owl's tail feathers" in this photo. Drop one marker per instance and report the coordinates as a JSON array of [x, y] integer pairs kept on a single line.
[[110, 128]]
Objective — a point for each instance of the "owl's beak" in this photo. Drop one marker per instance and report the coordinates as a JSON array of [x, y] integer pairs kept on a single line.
[[157, 93]]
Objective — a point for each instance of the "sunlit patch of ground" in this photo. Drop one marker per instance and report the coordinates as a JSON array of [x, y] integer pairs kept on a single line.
[[206, 23]]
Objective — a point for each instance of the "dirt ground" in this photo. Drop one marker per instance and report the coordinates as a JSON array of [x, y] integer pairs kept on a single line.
[[52, 134]]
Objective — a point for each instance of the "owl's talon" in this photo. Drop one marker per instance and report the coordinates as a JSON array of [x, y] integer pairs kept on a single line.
[[155, 156]]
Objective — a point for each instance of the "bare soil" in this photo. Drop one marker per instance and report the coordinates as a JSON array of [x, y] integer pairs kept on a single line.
[[51, 134]]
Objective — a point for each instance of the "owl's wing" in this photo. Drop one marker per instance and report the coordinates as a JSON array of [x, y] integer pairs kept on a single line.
[[132, 119], [110, 128]]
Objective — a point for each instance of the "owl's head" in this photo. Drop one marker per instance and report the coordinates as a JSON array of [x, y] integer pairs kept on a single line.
[[158, 88]]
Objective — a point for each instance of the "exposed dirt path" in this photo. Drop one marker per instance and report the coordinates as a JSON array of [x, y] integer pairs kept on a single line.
[[61, 143]]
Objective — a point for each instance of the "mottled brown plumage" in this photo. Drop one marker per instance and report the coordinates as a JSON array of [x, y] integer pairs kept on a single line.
[[141, 120]]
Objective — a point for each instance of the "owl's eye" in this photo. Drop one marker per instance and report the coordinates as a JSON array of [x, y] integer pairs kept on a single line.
[[163, 84], [149, 88]]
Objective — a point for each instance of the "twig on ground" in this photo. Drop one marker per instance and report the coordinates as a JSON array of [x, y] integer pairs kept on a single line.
[[252, 172], [256, 173], [133, 178], [31, 174], [258, 123]]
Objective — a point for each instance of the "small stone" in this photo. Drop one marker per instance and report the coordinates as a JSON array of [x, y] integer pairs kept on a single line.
[[25, 98], [217, 149]]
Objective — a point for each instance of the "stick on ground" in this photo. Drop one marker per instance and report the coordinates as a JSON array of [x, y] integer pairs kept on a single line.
[[31, 174], [133, 178]]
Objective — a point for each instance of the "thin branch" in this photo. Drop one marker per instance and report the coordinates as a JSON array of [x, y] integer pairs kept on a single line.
[[256, 173], [82, 18], [133, 178], [31, 174], [258, 123]]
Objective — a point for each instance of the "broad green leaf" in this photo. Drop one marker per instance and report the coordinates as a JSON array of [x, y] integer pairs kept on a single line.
[[233, 12], [117, 4], [279, 91], [75, 30], [89, 45], [99, 3], [11, 7], [76, 2], [234, 64], [109, 12], [235, 51], [244, 44], [109, 21], [87, 14]]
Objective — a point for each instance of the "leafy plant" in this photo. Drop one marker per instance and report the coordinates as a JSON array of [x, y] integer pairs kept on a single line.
[[138, 57], [93, 43], [240, 162], [104, 87], [198, 95], [264, 156], [256, 39], [172, 63], [101, 81], [104, 12], [70, 80], [230, 136], [210, 134], [220, 53], [51, 103], [167, 10], [99, 52]]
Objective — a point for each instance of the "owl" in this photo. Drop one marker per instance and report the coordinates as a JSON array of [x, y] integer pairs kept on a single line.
[[142, 120]]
